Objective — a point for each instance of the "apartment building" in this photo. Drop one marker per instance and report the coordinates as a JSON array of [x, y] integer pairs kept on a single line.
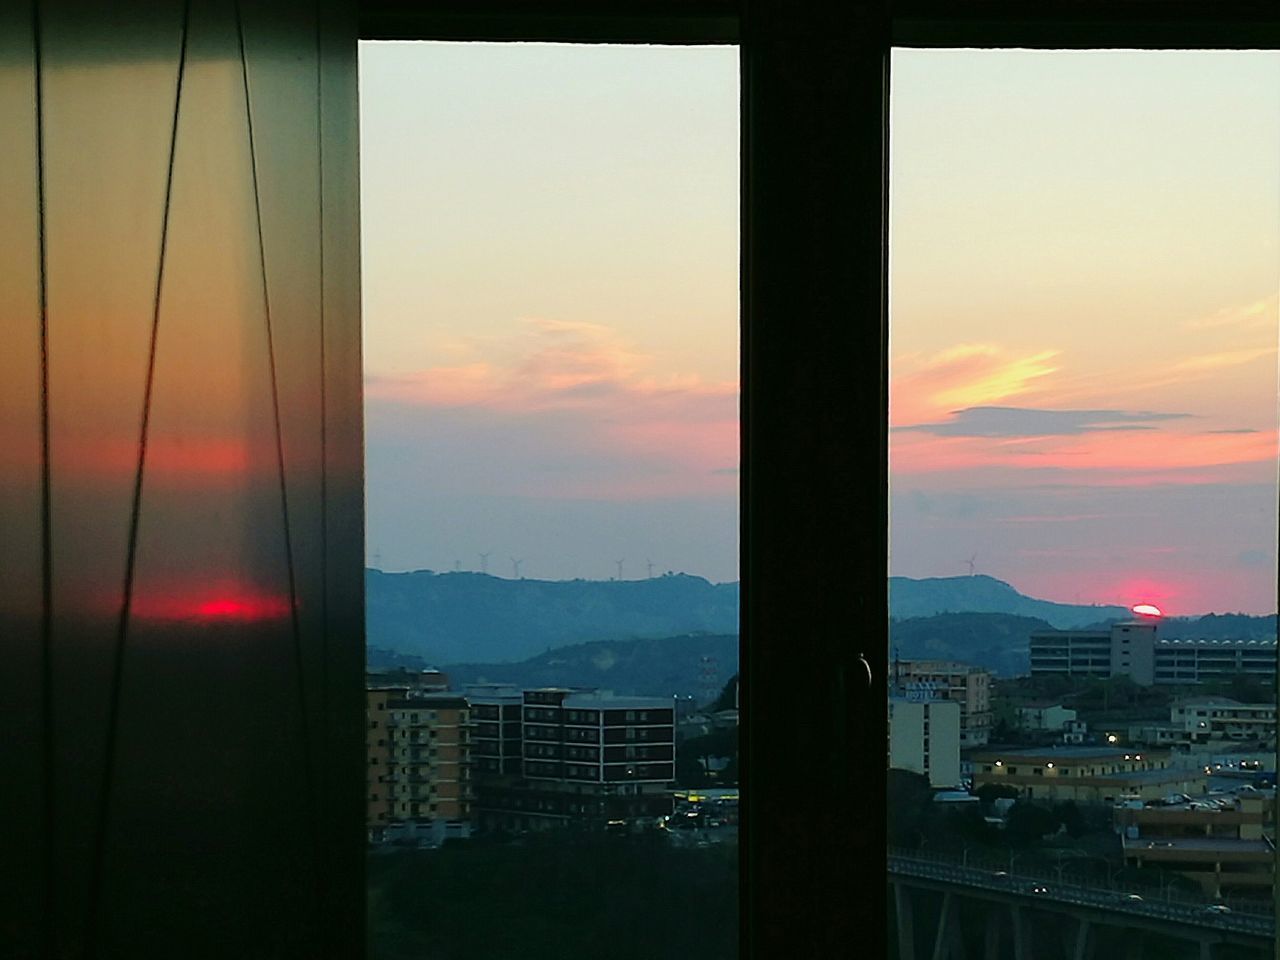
[[961, 683], [586, 758], [1085, 773], [497, 746], [924, 737], [418, 776], [1135, 650]]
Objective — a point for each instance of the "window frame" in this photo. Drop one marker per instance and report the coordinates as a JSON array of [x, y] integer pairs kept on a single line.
[[814, 407]]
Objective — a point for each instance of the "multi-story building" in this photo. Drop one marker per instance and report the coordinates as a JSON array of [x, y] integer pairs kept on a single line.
[[924, 737], [1134, 650], [1126, 649], [1204, 719], [419, 765], [1198, 660], [1085, 774], [962, 683], [497, 742], [586, 758]]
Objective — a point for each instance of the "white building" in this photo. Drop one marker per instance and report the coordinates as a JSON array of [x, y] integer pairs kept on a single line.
[[1042, 717], [963, 683], [924, 737], [1133, 650]]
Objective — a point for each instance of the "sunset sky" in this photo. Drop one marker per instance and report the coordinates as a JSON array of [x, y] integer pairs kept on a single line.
[[551, 307], [1085, 259]]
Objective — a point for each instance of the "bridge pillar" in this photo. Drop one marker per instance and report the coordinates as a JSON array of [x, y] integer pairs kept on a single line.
[[1133, 943], [906, 922], [949, 943], [991, 945], [1206, 950], [1084, 946], [1021, 934]]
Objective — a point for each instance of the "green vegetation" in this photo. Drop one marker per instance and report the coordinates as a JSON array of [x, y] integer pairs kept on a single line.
[[554, 896], [690, 770]]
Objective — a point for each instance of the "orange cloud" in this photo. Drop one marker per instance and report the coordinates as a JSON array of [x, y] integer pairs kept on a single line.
[[965, 375]]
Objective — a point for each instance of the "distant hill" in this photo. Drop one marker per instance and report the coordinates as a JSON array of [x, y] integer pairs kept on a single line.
[[998, 641], [910, 598], [475, 618], [642, 668]]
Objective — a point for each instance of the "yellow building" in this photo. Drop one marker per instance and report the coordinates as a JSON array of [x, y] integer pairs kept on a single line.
[[1085, 774], [419, 765]]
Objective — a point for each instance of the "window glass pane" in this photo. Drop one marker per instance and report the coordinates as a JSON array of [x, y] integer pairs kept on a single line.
[[551, 343], [1085, 262], [22, 889]]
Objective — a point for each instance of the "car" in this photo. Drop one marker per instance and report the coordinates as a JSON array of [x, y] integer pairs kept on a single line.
[[1217, 908], [1133, 897], [1000, 875], [1039, 888]]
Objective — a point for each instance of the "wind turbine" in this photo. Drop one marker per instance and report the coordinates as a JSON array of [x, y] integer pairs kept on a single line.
[[970, 562], [619, 563], [484, 562], [515, 565], [649, 563]]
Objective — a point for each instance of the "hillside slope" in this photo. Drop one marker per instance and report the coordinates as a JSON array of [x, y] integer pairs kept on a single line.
[[476, 618]]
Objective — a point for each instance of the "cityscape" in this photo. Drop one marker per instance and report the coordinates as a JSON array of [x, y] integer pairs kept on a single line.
[[1122, 793]]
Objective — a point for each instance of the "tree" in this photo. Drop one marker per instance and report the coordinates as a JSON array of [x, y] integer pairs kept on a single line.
[[909, 800], [1069, 816], [1029, 822], [728, 698], [996, 791]]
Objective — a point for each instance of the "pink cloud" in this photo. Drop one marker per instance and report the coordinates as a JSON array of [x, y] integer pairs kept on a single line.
[[580, 389]]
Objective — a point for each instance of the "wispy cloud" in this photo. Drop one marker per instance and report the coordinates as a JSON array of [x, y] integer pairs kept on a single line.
[[1029, 422], [1210, 362], [965, 375], [571, 410], [1258, 314]]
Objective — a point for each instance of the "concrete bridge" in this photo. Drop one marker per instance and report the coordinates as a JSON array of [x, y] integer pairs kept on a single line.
[[1023, 917]]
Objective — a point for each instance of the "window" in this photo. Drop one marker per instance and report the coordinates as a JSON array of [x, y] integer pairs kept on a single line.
[[552, 373], [972, 159]]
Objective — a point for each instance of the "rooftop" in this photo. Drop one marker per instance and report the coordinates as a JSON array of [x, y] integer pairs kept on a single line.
[[1061, 752], [1208, 844], [1211, 642], [604, 702], [430, 701]]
